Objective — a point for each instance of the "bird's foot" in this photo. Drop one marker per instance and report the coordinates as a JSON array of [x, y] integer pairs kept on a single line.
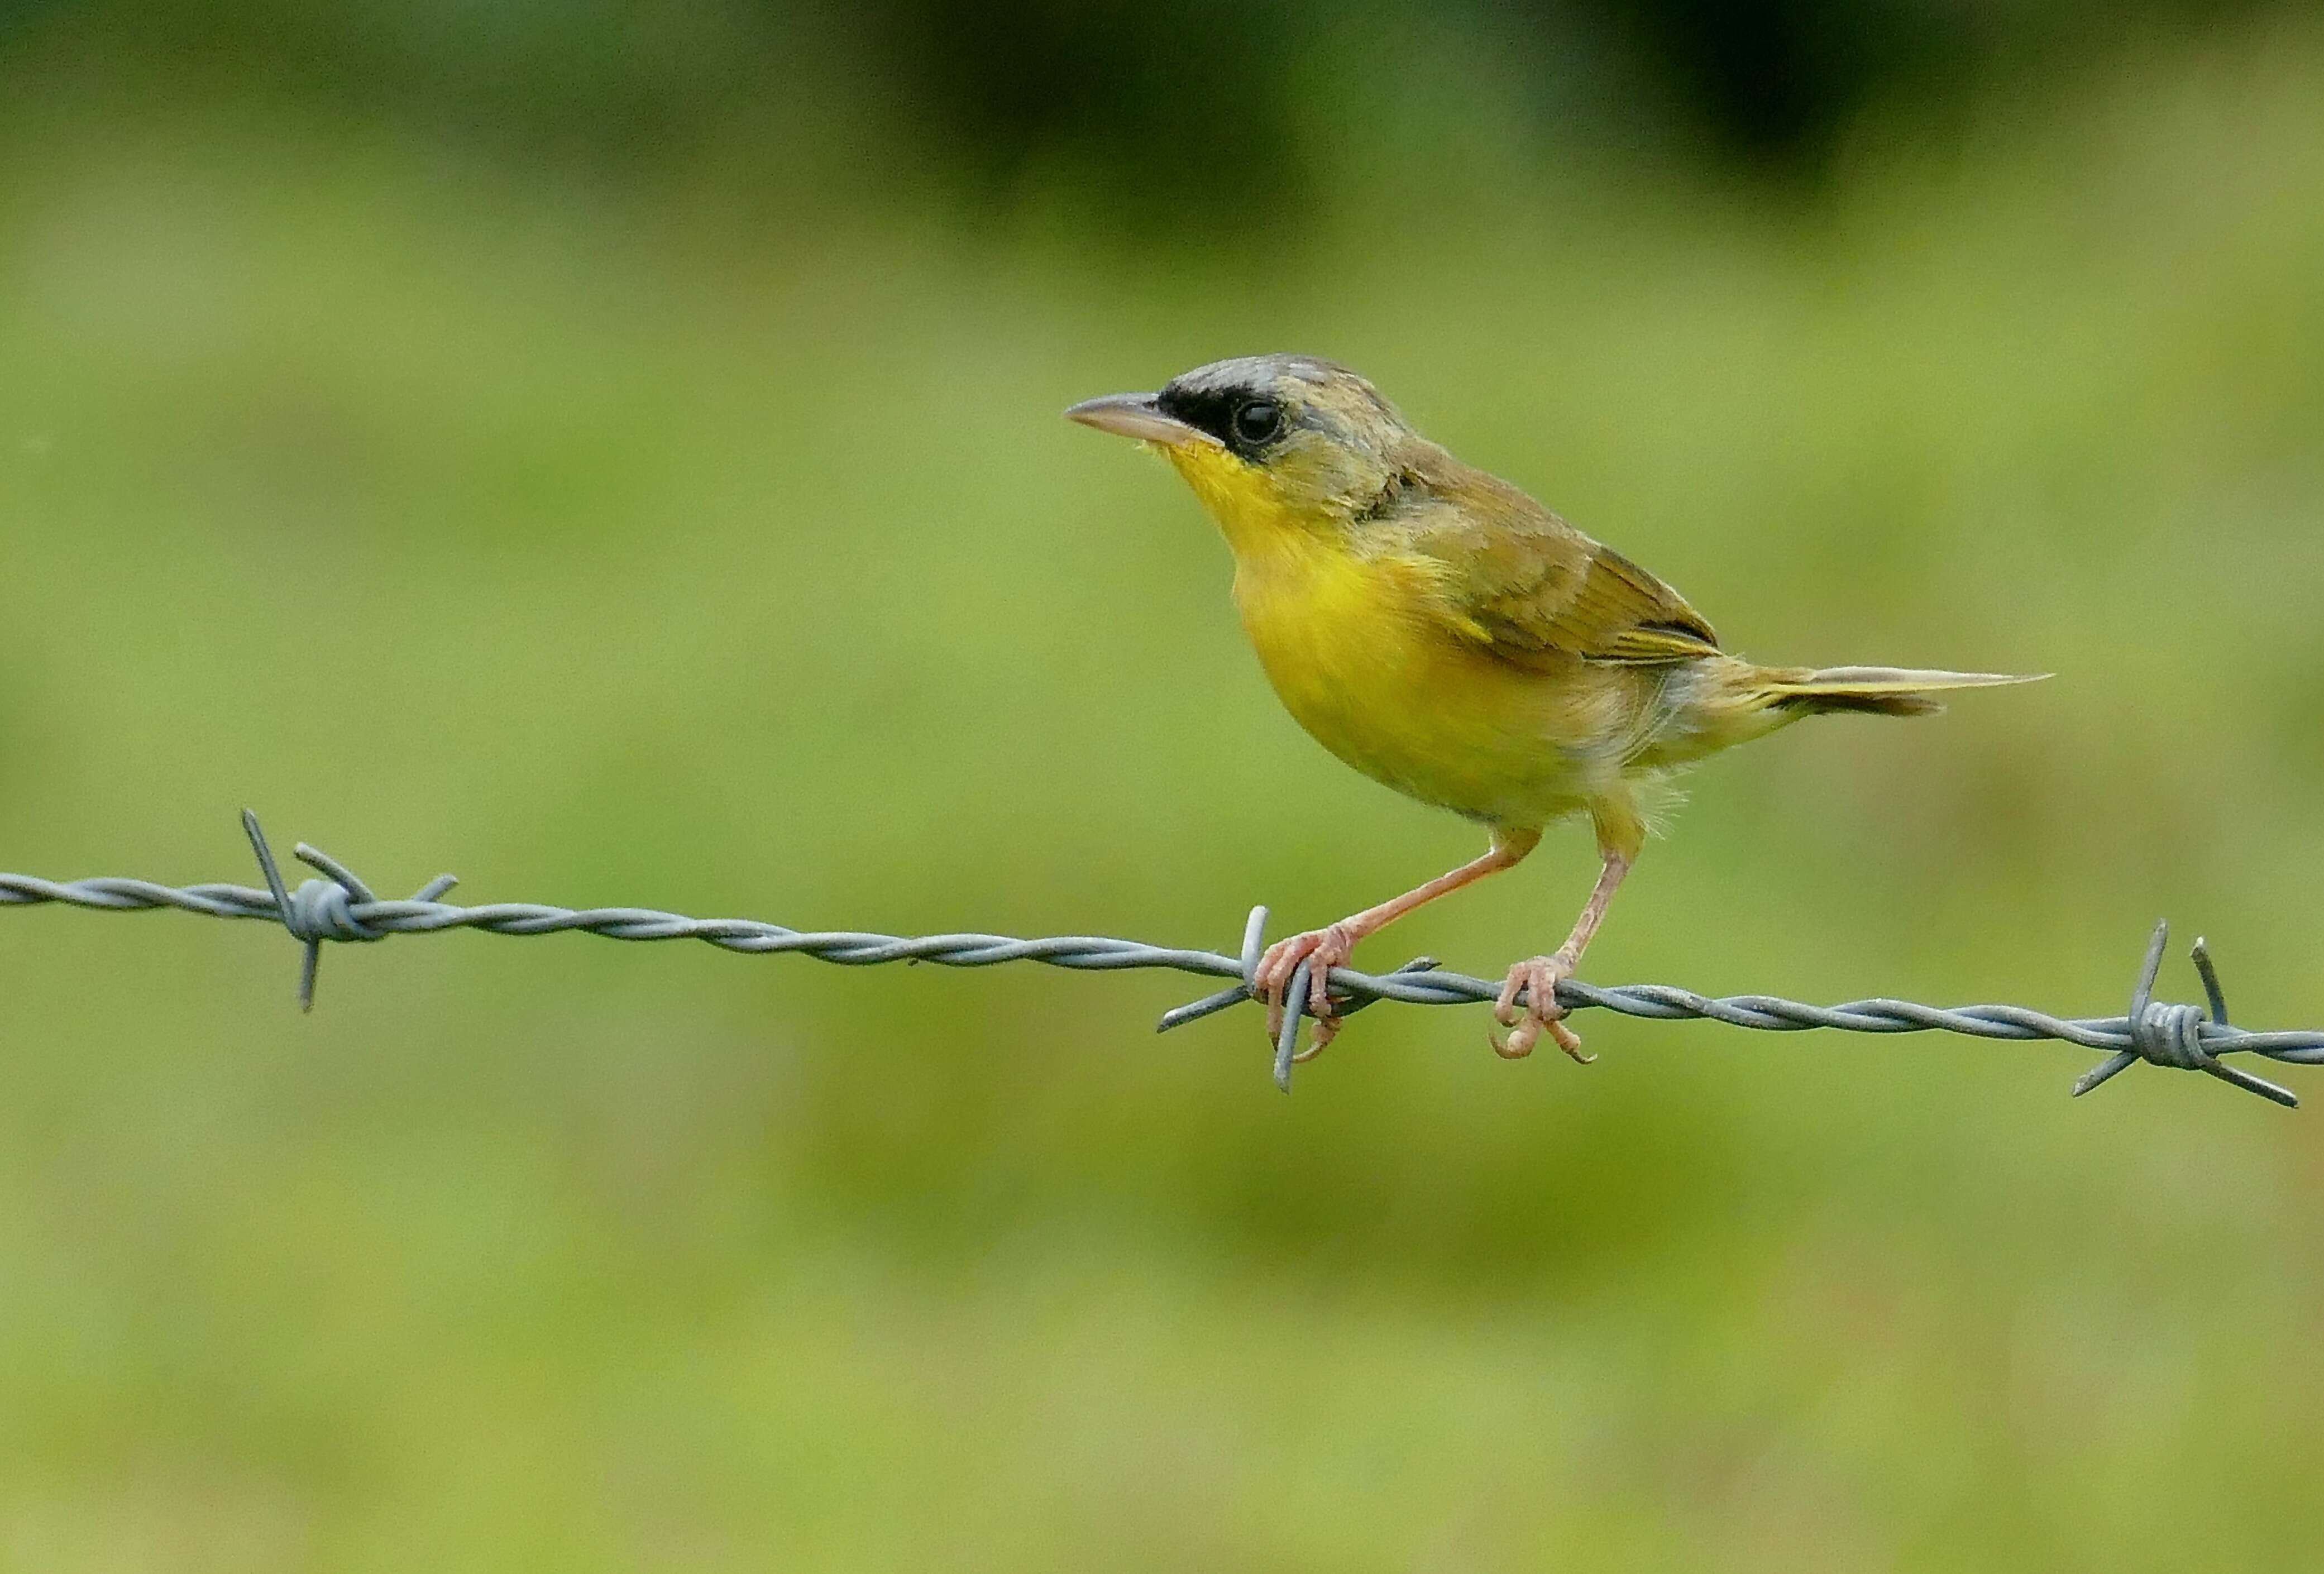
[[1537, 977], [1323, 950]]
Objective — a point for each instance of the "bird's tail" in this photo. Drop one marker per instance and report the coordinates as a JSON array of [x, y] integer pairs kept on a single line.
[[1881, 691]]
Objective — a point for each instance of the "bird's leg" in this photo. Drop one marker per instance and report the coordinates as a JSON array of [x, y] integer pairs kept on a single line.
[[1538, 977], [1330, 947]]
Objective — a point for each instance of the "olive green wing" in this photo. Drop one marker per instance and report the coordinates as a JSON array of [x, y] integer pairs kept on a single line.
[[1518, 580]]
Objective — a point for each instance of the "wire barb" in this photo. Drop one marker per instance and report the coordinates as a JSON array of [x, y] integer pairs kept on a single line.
[[2165, 1034], [321, 910], [342, 907], [1343, 1005]]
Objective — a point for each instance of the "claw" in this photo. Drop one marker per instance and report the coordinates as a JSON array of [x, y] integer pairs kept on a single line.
[[1536, 979], [1323, 949], [1327, 1028]]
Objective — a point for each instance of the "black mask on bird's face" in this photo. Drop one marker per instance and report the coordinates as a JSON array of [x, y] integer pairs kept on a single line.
[[1297, 433]]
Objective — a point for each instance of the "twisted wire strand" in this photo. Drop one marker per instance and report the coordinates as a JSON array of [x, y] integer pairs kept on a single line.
[[341, 907]]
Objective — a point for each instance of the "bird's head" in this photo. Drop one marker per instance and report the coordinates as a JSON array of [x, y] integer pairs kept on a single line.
[[1269, 443]]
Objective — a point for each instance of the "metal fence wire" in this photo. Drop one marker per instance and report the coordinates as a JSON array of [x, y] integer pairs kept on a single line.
[[339, 906]]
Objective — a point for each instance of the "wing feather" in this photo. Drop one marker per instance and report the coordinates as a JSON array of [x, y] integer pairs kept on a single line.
[[1533, 589]]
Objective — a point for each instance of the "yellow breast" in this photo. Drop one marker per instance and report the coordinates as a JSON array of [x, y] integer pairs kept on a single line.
[[1360, 654]]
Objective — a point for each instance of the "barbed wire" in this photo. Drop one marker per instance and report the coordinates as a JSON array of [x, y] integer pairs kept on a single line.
[[342, 907]]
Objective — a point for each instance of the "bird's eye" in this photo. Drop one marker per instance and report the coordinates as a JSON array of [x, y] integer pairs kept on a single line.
[[1258, 421]]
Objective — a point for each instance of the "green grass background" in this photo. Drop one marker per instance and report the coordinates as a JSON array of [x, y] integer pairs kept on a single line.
[[613, 544]]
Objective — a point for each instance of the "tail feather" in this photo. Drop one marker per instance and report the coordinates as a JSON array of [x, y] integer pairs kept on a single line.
[[1881, 691]]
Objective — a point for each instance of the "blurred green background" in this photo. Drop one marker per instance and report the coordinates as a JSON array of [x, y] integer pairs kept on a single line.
[[613, 454]]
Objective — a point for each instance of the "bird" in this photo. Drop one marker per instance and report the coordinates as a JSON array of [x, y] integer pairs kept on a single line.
[[1438, 630]]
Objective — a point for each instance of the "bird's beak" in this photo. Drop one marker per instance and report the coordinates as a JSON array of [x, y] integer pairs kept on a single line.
[[1137, 414]]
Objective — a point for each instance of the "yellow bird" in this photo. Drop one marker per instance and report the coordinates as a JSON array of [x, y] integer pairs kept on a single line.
[[1448, 636]]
